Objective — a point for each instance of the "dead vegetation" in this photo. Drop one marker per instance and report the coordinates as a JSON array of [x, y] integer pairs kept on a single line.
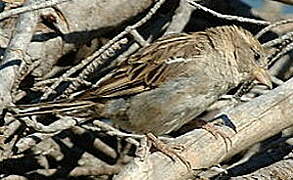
[[53, 49]]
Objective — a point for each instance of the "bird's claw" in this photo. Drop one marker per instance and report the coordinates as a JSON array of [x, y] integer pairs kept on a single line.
[[171, 150], [217, 132]]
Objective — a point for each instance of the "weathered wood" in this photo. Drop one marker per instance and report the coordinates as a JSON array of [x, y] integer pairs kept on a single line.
[[279, 170], [15, 54]]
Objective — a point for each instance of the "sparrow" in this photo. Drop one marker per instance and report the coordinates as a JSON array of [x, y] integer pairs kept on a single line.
[[168, 83]]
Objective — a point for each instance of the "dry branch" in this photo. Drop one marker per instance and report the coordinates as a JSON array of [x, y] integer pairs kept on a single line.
[[280, 170], [81, 20], [105, 52], [227, 17], [180, 19], [77, 22], [255, 121], [15, 54], [31, 7]]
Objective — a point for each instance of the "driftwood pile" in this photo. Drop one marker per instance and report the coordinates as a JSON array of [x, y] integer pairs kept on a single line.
[[51, 49]]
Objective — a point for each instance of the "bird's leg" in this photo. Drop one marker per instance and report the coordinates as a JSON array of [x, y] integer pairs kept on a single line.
[[244, 88], [170, 150], [143, 148], [215, 131]]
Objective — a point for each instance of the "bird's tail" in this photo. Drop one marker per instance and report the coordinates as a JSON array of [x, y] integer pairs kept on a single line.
[[73, 107]]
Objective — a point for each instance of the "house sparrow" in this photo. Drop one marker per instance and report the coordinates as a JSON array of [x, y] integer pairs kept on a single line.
[[169, 82]]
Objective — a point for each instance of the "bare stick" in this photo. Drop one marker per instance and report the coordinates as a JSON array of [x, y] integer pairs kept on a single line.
[[15, 52], [31, 7], [286, 37], [100, 52], [227, 17], [268, 28]]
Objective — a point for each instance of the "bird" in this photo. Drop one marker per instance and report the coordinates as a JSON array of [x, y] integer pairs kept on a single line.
[[169, 82]]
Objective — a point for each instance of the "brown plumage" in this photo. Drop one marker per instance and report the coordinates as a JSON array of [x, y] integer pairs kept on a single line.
[[171, 81]]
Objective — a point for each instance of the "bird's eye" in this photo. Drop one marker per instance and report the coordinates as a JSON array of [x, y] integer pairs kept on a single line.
[[256, 56]]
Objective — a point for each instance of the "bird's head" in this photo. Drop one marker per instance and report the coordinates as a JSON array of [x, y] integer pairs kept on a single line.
[[251, 57]]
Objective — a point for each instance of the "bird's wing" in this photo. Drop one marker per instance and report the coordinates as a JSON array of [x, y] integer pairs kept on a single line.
[[149, 67], [146, 69]]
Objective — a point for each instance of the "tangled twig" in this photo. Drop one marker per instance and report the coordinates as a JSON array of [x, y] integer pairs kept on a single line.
[[103, 49]]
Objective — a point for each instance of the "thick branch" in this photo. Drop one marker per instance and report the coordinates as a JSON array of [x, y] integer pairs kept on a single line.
[[279, 170], [15, 54]]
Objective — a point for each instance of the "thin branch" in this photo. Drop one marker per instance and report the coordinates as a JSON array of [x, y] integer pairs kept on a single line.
[[32, 7], [31, 140], [65, 122], [284, 51], [227, 17], [273, 25], [81, 171], [112, 42], [286, 37]]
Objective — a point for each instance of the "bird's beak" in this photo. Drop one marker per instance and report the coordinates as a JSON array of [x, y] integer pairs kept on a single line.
[[263, 77]]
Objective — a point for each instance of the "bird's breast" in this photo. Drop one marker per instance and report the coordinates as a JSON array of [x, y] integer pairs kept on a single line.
[[166, 108]]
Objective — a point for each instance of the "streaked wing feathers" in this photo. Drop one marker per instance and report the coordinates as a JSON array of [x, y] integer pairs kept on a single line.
[[147, 68]]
